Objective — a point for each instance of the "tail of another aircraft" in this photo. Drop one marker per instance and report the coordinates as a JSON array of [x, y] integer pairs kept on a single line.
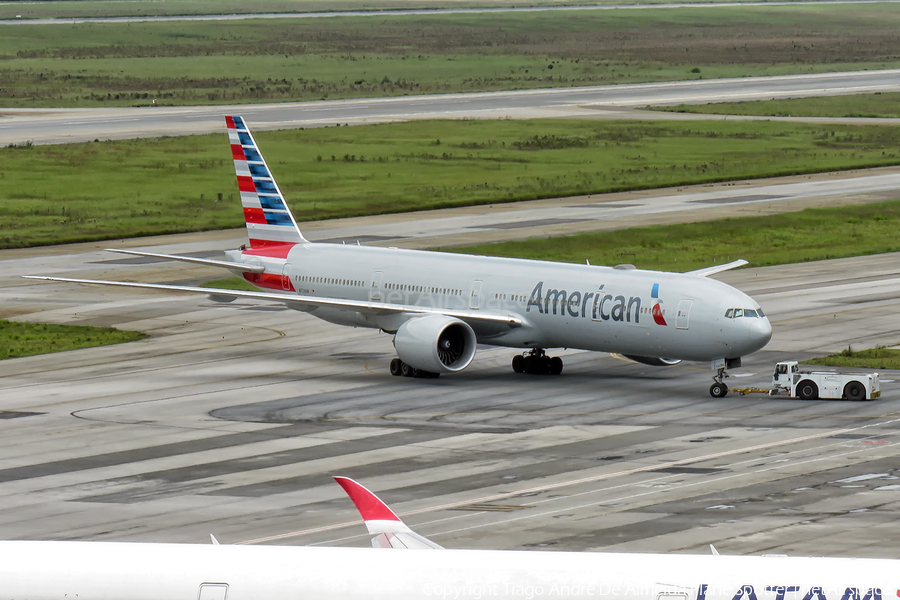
[[270, 224]]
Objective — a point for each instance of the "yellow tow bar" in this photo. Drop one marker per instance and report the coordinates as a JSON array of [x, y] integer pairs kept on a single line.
[[745, 391]]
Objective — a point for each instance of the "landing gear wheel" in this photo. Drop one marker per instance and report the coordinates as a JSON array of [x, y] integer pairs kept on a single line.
[[396, 366], [718, 390], [854, 391], [406, 370], [518, 363], [556, 365], [807, 390]]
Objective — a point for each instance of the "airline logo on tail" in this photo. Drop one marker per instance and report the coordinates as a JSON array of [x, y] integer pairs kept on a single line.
[[270, 224]]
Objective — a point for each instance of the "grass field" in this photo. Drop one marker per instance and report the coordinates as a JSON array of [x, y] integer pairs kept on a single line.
[[261, 60], [104, 190], [27, 339], [875, 358], [230, 283], [884, 105], [812, 234]]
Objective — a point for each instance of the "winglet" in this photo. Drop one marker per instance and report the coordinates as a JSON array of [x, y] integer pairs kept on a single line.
[[713, 549], [378, 516], [213, 539], [380, 519]]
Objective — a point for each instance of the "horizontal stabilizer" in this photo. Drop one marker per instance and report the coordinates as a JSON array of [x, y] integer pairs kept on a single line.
[[380, 519], [200, 261], [707, 271]]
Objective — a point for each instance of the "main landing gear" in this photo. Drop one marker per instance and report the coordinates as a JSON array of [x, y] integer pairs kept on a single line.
[[398, 368], [536, 362]]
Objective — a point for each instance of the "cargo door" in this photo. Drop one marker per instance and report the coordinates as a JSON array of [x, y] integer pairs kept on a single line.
[[683, 317]]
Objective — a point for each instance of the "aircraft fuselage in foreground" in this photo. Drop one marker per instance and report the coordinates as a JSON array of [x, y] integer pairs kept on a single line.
[[133, 571]]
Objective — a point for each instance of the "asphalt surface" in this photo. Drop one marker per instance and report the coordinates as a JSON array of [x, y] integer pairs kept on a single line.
[[53, 126], [414, 12], [230, 419]]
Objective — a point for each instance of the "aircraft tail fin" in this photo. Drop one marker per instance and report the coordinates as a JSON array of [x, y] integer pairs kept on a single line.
[[270, 223], [380, 519]]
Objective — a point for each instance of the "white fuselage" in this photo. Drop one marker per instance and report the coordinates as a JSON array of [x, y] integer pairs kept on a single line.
[[133, 571], [560, 304]]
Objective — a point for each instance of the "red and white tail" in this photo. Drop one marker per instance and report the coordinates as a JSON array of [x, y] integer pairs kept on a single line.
[[380, 519], [269, 221]]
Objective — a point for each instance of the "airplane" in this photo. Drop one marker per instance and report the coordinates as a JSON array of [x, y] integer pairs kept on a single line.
[[423, 570], [440, 306]]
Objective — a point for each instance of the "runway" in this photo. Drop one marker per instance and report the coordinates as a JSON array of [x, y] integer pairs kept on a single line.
[[230, 419], [54, 126]]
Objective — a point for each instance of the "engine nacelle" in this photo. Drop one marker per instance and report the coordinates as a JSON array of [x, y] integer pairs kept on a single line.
[[435, 343], [653, 361]]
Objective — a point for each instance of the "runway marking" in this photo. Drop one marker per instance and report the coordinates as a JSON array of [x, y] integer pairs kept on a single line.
[[593, 478]]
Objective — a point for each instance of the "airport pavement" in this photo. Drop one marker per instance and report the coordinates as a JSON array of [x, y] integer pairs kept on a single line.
[[230, 419], [63, 125]]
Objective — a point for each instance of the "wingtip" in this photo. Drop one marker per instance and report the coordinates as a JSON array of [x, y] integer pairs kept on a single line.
[[370, 506]]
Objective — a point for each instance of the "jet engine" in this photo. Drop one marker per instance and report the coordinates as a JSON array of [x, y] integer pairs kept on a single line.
[[653, 361], [435, 343]]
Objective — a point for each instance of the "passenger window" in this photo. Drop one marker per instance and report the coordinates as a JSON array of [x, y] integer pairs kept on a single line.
[[738, 312], [749, 312], [729, 314]]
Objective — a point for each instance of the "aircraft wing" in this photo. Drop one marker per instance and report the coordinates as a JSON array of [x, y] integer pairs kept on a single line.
[[380, 519], [234, 266], [302, 302], [706, 271]]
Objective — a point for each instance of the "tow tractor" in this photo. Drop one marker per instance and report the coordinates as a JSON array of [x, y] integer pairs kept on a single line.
[[816, 385]]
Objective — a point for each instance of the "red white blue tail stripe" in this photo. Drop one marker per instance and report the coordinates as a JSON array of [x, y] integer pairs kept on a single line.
[[270, 224]]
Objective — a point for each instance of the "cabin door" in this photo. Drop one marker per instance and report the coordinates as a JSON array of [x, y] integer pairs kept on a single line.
[[286, 277], [213, 591], [682, 319], [375, 291], [671, 596], [475, 296]]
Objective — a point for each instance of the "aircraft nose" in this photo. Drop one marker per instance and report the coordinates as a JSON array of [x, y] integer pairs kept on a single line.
[[760, 332]]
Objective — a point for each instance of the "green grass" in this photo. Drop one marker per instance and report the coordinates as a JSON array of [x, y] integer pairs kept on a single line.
[[875, 358], [28, 339], [261, 60], [878, 105], [230, 283], [113, 189], [812, 234]]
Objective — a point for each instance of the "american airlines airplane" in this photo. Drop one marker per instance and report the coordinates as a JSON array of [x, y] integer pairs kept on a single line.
[[422, 571], [439, 306]]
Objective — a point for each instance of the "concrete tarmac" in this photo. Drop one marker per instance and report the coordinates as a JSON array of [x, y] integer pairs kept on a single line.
[[230, 419], [63, 125]]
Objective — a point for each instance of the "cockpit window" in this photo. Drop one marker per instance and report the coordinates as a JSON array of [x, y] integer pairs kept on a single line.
[[760, 312], [729, 314], [738, 312], [749, 312]]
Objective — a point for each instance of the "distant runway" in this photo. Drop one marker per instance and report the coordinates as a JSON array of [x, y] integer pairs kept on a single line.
[[53, 126], [230, 419], [422, 12]]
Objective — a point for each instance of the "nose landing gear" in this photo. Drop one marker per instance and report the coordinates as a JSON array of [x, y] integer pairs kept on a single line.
[[536, 362], [718, 389]]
